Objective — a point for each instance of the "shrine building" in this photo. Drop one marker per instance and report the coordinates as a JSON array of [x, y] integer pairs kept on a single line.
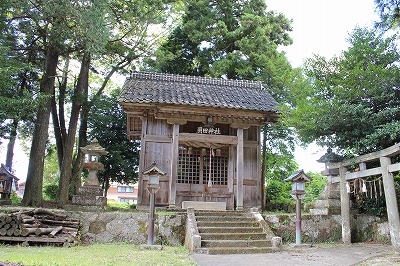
[[203, 132]]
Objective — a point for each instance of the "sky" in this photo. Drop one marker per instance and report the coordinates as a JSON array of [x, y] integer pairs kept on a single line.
[[319, 27]]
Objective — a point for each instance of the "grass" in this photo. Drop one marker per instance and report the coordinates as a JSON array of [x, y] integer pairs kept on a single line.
[[95, 254]]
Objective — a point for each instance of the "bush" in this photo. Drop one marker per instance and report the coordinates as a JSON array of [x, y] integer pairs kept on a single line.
[[15, 199], [114, 205], [278, 196], [314, 188], [50, 192]]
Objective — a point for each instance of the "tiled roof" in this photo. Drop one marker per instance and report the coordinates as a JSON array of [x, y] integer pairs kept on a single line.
[[153, 88]]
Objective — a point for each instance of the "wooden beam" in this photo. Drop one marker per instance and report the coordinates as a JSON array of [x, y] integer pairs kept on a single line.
[[158, 138], [174, 165], [373, 156], [252, 144], [208, 138], [239, 170], [142, 155]]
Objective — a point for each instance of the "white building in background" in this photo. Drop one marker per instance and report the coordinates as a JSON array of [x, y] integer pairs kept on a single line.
[[124, 193]]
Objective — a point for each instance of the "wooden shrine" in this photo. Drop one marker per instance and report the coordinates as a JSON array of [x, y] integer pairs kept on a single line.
[[8, 181], [203, 132]]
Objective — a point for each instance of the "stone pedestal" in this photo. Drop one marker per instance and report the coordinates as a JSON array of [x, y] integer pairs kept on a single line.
[[329, 202], [89, 198]]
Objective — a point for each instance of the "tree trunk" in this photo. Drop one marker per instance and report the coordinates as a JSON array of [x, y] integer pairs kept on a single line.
[[82, 135], [59, 117], [34, 179], [106, 185], [11, 144], [66, 165], [57, 131], [82, 142]]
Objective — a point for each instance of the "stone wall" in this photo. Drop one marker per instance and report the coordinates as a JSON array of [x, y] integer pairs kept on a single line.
[[131, 227], [104, 227], [328, 228]]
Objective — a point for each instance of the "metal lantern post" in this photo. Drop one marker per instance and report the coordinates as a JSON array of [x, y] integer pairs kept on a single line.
[[298, 180], [153, 185]]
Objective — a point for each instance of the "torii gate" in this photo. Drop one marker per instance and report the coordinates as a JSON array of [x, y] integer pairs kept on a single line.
[[386, 169]]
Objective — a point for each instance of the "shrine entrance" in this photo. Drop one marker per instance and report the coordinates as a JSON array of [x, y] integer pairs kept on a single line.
[[203, 132], [352, 178]]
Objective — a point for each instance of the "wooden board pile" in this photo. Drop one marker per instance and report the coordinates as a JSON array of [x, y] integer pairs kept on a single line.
[[38, 225]]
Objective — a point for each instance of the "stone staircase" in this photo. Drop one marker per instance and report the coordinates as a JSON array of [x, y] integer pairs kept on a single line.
[[232, 232]]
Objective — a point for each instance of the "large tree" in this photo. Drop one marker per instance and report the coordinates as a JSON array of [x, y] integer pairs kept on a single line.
[[232, 39], [101, 38], [354, 102]]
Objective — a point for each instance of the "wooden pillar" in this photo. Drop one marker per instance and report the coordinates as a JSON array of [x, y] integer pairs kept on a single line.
[[239, 170], [345, 207], [142, 155], [174, 165], [391, 201]]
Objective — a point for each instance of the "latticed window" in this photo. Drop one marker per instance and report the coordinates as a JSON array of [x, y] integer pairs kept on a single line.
[[188, 166], [134, 126], [194, 166], [219, 170]]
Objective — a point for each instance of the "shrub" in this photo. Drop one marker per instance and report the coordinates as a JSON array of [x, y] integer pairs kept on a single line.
[[50, 192], [278, 196], [15, 199]]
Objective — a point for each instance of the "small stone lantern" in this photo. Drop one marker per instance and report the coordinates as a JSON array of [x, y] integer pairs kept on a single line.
[[153, 173], [90, 195], [298, 179], [92, 154]]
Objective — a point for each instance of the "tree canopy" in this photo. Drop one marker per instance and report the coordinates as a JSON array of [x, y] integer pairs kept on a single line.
[[354, 98], [389, 13], [232, 39]]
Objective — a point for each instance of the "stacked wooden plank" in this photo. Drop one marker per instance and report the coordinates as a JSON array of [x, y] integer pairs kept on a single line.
[[38, 225]]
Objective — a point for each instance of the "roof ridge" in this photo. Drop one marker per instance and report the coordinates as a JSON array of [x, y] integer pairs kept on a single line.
[[195, 79]]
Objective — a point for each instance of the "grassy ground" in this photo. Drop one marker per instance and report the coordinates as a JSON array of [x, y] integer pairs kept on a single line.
[[93, 255]]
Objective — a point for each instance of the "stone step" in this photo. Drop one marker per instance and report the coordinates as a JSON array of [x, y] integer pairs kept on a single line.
[[230, 229], [236, 243], [230, 223], [220, 213], [232, 236], [224, 218], [240, 250]]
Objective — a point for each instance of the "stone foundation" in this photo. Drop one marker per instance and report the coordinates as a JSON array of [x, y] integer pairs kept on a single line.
[[130, 227], [328, 228]]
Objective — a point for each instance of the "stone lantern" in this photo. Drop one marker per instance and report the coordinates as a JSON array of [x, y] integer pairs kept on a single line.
[[298, 179], [92, 154], [153, 173], [329, 202], [90, 195]]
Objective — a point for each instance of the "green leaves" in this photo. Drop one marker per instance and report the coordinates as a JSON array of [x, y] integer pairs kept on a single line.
[[224, 39], [108, 124], [354, 99]]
